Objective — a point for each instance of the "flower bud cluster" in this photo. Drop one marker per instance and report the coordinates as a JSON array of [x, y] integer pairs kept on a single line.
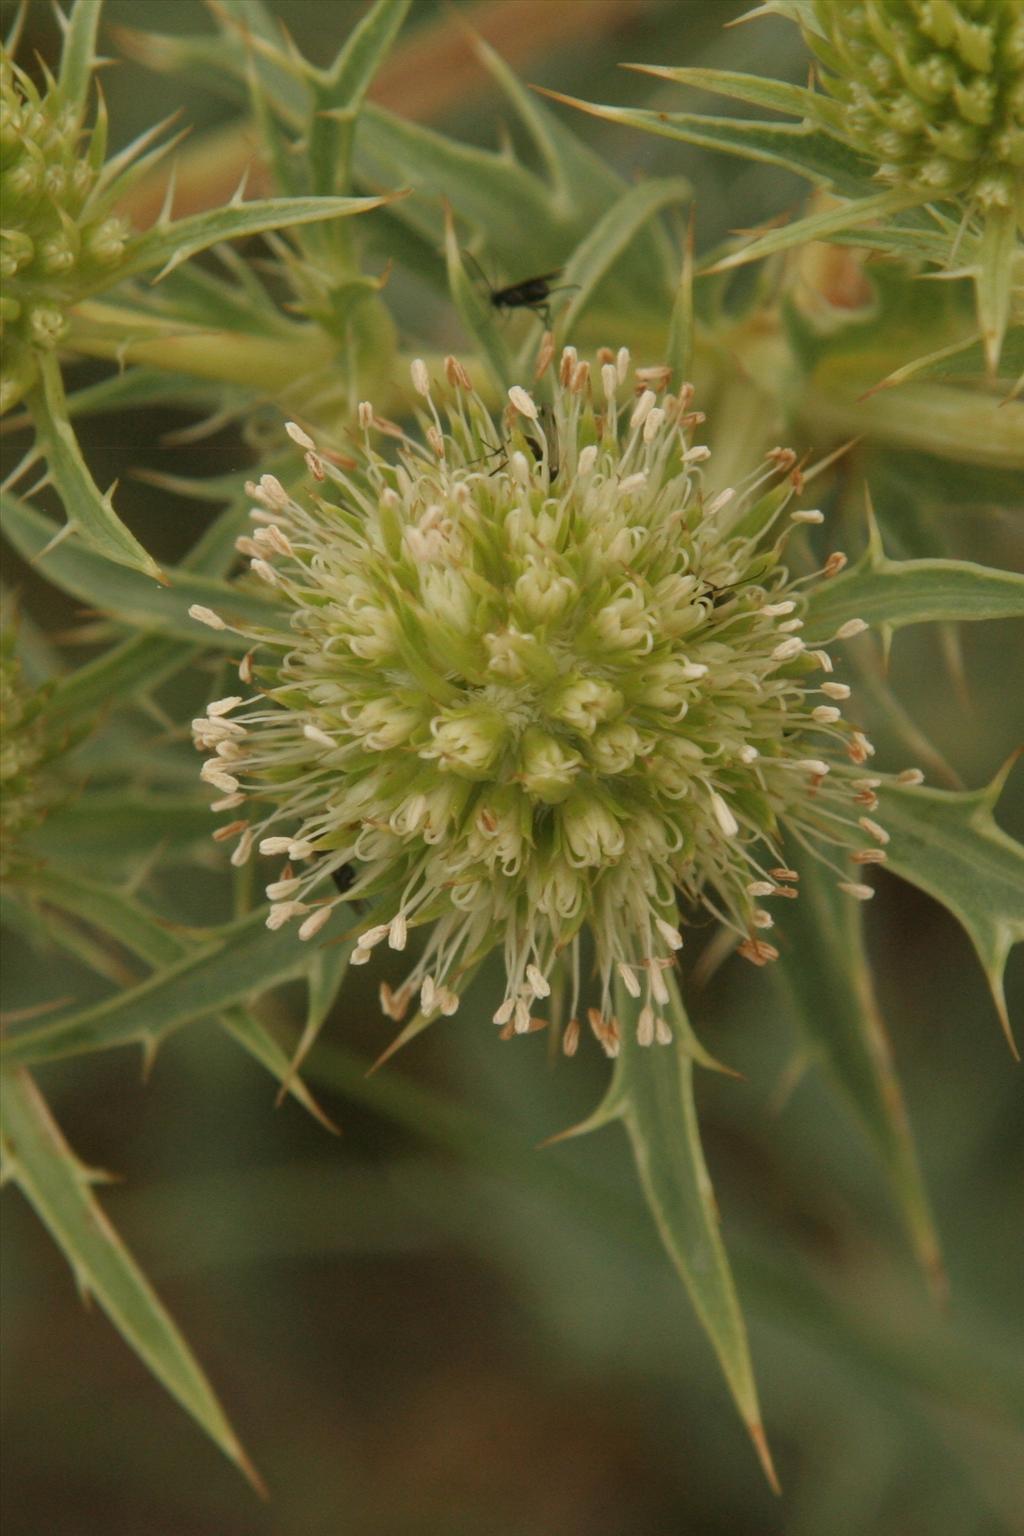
[[932, 91], [58, 238], [530, 681]]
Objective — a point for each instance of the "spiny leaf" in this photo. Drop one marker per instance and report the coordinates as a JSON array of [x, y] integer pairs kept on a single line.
[[476, 313], [78, 54], [40, 1162], [759, 90], [120, 827], [90, 512], [168, 244], [125, 595], [826, 972], [994, 280], [821, 226], [328, 967], [341, 90], [680, 342], [238, 962], [594, 257], [947, 843], [123, 918], [651, 1092], [895, 593], [809, 153]]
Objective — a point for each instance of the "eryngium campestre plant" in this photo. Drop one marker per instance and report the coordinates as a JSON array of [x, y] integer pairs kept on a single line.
[[530, 680]]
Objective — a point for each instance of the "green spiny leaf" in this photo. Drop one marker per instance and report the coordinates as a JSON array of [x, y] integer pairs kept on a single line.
[[825, 970], [78, 54], [89, 512], [595, 256], [237, 963], [477, 315], [123, 594], [340, 93], [651, 1092], [756, 89], [40, 1162], [895, 593], [809, 153], [994, 280], [821, 226], [168, 244], [948, 843]]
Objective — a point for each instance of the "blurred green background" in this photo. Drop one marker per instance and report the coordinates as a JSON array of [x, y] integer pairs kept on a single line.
[[429, 1325]]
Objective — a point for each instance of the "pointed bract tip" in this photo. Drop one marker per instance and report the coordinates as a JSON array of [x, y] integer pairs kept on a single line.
[[764, 1456], [574, 101]]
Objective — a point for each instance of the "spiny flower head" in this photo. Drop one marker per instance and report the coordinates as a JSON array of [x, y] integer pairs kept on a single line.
[[529, 680], [932, 91], [59, 239]]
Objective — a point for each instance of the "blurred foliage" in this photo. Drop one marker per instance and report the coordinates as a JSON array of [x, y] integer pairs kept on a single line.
[[432, 1324]]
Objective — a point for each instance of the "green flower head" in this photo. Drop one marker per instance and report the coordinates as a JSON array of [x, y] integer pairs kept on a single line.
[[530, 680], [59, 238], [933, 91]]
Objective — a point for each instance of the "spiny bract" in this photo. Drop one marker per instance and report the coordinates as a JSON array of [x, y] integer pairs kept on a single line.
[[529, 680]]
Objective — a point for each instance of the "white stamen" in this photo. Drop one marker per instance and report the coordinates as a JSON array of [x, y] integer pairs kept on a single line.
[[538, 981], [420, 377], [859, 892], [723, 815], [522, 402], [314, 733], [643, 406], [673, 938], [850, 628], [297, 435], [807, 517], [206, 616], [836, 690], [629, 980], [313, 924]]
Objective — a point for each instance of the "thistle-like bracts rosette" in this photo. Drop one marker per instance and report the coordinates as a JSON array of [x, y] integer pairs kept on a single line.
[[530, 680]]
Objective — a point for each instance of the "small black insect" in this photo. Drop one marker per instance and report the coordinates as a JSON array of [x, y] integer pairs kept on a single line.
[[344, 878], [532, 293]]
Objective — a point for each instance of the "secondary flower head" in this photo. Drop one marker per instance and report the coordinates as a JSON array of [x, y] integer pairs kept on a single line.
[[929, 97], [60, 239], [529, 681], [932, 91]]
